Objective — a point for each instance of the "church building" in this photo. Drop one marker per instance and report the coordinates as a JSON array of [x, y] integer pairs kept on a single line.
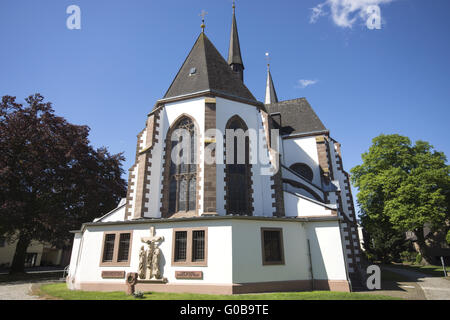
[[277, 216]]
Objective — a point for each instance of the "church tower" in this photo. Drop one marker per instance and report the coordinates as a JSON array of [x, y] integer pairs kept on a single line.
[[234, 51], [208, 99]]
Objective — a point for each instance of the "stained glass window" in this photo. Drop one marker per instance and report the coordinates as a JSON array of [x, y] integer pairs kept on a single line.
[[183, 174], [237, 174]]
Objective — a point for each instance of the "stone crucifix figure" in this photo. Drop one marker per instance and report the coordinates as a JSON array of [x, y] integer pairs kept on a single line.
[[149, 261]]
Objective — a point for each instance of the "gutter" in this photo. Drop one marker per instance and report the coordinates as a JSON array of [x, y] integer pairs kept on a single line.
[[209, 218]]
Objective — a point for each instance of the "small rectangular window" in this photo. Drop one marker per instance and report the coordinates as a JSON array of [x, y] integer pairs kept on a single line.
[[180, 245], [190, 247], [272, 246], [2, 242], [108, 249], [198, 245], [124, 247]]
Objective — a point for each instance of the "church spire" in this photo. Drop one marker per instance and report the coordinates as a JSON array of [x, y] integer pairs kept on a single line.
[[271, 94], [234, 52]]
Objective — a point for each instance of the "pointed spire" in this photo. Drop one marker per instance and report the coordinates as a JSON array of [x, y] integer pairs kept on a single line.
[[271, 94], [205, 69], [234, 52]]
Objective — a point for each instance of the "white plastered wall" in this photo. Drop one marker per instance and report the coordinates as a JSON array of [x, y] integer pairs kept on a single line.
[[303, 150], [117, 215], [247, 253], [326, 250], [234, 252], [218, 271], [295, 206]]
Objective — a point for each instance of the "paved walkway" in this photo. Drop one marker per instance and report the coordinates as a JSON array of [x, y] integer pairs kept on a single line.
[[16, 292], [20, 290], [434, 288]]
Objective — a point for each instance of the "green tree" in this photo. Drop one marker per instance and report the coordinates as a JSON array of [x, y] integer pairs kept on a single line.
[[51, 179], [402, 187]]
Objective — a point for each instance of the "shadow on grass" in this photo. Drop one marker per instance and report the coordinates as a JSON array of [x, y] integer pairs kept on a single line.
[[434, 271], [30, 277]]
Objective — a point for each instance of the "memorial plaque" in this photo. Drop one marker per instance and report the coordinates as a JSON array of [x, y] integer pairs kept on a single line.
[[188, 274], [113, 274]]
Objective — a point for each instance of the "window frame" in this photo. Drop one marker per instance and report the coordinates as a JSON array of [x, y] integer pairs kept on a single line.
[[115, 262], [263, 252], [230, 202], [169, 209], [306, 167], [189, 246]]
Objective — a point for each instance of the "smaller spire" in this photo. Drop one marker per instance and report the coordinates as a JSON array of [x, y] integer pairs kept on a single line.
[[234, 51], [203, 14], [271, 94]]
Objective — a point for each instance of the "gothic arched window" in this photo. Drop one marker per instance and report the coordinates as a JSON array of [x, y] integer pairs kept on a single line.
[[182, 178], [237, 172], [304, 170]]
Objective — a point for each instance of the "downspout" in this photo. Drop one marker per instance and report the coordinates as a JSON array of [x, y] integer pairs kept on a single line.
[[310, 266]]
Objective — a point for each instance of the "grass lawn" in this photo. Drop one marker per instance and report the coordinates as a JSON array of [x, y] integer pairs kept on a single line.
[[435, 271], [60, 291]]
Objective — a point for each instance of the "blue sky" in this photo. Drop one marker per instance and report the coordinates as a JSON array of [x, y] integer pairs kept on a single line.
[[109, 74]]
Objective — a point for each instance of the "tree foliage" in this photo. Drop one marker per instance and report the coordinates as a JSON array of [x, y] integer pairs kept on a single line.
[[402, 187], [51, 179]]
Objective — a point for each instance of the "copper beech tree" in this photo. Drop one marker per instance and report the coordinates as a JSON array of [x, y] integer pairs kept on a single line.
[[51, 178]]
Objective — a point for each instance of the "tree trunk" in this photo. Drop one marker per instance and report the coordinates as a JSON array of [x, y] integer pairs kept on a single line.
[[423, 248], [18, 264]]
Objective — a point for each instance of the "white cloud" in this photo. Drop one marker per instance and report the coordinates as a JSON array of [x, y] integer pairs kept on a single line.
[[345, 12], [317, 12], [303, 83]]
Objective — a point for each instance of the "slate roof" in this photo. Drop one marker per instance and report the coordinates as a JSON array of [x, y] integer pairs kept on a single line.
[[297, 116], [271, 94], [212, 73], [234, 51]]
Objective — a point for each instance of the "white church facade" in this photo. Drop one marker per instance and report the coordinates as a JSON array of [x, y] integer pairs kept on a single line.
[[286, 224]]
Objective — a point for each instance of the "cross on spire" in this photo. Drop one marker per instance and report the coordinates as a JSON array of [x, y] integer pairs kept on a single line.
[[203, 14], [268, 60]]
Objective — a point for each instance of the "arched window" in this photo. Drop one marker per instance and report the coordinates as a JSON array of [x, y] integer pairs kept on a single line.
[[304, 170], [237, 172], [182, 176]]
